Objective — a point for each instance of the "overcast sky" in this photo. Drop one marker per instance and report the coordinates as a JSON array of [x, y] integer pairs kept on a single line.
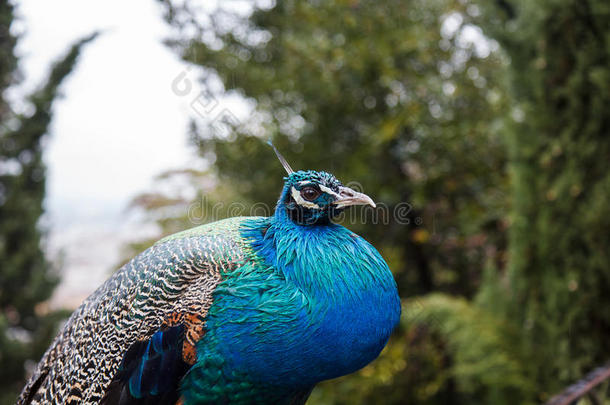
[[118, 126]]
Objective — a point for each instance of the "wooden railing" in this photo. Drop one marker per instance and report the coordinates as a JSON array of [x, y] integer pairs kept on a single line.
[[583, 387]]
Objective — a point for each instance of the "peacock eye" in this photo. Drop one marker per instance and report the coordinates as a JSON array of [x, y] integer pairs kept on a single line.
[[310, 193]]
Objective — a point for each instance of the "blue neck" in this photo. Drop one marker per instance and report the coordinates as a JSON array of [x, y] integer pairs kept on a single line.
[[326, 260]]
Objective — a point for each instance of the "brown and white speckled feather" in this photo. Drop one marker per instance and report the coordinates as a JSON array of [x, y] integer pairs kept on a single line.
[[170, 283]]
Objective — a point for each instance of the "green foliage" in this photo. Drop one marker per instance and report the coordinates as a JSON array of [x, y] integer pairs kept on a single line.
[[27, 279], [557, 133], [487, 364]]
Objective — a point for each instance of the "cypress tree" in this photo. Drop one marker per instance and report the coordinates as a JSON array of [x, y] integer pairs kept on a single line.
[[27, 279], [559, 148]]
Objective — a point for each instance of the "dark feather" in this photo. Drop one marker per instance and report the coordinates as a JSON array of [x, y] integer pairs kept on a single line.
[[151, 371]]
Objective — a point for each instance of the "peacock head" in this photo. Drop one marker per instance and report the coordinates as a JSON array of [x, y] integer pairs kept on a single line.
[[314, 197]]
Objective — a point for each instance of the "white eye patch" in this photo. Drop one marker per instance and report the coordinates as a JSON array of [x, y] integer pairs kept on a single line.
[[328, 191], [301, 201]]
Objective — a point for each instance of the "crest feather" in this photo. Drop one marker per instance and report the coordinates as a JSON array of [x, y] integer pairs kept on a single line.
[[281, 159]]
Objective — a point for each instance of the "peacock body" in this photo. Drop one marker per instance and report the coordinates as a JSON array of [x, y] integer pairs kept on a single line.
[[242, 311]]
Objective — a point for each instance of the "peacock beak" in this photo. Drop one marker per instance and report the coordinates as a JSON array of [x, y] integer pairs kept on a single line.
[[348, 197]]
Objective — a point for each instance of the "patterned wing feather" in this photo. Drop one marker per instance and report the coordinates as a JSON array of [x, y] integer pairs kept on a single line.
[[168, 285]]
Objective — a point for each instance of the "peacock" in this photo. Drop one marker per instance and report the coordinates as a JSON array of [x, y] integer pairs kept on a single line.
[[246, 310]]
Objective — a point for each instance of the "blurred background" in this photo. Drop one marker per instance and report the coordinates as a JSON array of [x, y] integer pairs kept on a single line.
[[483, 126]]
